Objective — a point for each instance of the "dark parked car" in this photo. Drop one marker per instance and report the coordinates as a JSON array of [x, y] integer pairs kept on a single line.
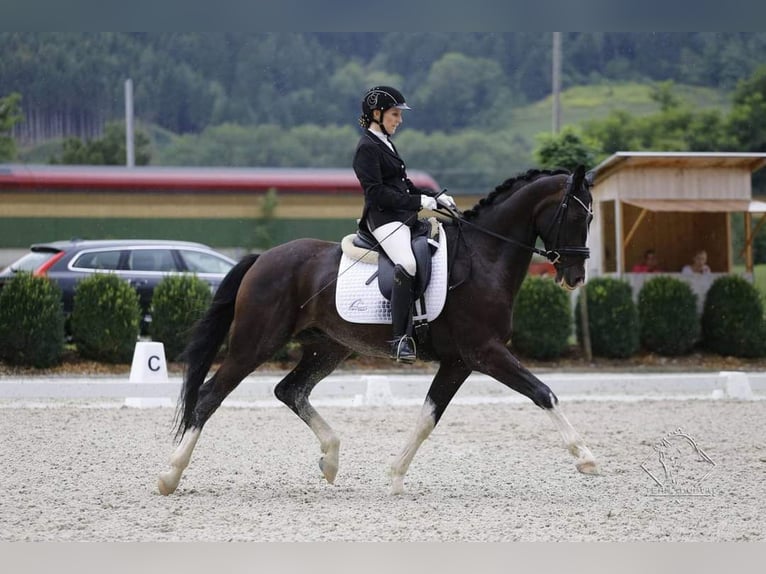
[[142, 263]]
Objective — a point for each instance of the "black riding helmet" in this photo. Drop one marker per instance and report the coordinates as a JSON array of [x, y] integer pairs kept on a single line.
[[380, 98]]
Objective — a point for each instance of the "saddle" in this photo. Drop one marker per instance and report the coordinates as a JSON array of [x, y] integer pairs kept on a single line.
[[425, 241]]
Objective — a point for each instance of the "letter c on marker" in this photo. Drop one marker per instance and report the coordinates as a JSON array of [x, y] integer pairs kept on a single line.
[[153, 366]]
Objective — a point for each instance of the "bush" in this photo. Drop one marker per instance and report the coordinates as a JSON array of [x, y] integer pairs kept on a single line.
[[106, 318], [542, 319], [178, 302], [612, 318], [31, 322], [732, 318], [667, 311]]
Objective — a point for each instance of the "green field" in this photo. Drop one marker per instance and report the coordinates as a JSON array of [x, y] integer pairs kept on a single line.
[[583, 103]]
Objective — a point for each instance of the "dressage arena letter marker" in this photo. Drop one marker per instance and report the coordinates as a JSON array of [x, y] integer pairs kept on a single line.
[[148, 366], [735, 385]]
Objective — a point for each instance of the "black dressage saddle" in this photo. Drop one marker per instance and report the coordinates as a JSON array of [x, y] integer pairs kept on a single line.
[[424, 245]]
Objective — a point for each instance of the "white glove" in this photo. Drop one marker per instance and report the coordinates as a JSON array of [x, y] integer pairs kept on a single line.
[[446, 201], [427, 202]]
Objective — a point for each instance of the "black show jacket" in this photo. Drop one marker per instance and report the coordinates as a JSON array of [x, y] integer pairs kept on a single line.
[[389, 195]]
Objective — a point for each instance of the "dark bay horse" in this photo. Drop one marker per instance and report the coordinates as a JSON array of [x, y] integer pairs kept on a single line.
[[267, 300]]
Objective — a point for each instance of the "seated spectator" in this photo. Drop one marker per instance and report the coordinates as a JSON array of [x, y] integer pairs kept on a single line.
[[698, 265], [650, 263]]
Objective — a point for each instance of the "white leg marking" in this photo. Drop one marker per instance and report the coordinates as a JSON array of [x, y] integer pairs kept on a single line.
[[329, 444], [179, 460], [586, 462], [425, 426]]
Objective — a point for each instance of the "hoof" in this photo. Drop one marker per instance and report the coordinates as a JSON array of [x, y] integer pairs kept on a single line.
[[588, 467], [166, 485], [397, 482], [329, 469]]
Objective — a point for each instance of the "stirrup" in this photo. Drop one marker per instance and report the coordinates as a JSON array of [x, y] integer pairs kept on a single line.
[[403, 350]]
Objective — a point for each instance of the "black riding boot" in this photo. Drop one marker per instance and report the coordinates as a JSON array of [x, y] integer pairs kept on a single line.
[[402, 346]]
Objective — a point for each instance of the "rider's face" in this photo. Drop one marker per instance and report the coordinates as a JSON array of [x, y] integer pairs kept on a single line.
[[392, 117]]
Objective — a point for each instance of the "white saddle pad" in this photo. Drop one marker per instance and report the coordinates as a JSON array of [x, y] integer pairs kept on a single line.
[[360, 303]]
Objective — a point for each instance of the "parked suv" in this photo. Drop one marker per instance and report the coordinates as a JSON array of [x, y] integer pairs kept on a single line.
[[142, 263]]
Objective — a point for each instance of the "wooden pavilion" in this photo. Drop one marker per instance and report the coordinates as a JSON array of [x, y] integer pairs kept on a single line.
[[674, 203]]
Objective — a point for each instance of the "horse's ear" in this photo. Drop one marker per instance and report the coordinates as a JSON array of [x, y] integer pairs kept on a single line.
[[577, 177], [590, 177]]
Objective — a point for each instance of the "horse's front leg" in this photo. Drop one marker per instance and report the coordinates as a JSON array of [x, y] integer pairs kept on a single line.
[[500, 364], [450, 376]]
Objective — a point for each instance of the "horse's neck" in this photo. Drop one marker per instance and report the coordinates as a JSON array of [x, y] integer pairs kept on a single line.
[[514, 216], [491, 260]]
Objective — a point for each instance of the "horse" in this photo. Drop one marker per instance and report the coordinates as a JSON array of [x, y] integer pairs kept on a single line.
[[287, 293]]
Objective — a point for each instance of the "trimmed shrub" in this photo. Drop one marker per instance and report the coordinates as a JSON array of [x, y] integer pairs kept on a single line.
[[732, 319], [177, 303], [31, 322], [542, 319], [667, 311], [106, 318], [612, 318]]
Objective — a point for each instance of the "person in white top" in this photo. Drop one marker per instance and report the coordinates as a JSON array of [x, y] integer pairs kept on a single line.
[[698, 265]]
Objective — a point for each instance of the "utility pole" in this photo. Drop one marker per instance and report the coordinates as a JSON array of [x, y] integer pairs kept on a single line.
[[556, 89], [556, 76], [130, 159]]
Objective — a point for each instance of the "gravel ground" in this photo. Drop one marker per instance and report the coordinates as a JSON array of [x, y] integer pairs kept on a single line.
[[494, 472]]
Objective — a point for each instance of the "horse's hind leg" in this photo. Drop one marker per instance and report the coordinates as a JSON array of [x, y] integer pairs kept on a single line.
[[240, 361], [212, 394], [319, 360], [446, 383]]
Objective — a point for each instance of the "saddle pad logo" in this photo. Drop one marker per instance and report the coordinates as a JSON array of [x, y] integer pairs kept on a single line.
[[357, 306]]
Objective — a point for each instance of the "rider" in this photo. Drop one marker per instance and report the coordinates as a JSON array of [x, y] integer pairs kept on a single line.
[[391, 204]]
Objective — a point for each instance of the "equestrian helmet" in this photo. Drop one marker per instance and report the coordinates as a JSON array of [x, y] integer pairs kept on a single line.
[[381, 98]]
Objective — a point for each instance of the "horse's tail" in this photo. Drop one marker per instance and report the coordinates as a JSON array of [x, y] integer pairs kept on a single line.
[[207, 337]]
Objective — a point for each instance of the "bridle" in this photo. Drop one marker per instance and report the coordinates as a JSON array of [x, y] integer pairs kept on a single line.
[[553, 255], [558, 221]]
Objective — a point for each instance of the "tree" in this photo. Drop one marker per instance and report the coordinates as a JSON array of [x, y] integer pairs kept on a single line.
[[460, 92], [746, 124], [566, 149], [677, 127], [109, 150], [10, 115]]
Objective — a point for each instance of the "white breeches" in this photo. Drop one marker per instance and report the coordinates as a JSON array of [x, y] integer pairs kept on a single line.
[[397, 245]]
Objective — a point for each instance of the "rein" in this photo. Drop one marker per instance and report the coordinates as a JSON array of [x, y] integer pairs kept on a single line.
[[552, 255]]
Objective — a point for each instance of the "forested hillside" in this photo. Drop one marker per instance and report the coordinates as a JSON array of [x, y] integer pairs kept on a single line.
[[185, 82], [293, 98]]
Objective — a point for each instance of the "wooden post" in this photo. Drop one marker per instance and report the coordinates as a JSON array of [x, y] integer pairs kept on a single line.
[[584, 324], [748, 242]]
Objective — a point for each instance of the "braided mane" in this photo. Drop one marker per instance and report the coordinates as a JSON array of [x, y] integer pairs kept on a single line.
[[509, 186]]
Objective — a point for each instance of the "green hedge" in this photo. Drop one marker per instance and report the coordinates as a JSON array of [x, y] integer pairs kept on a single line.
[[31, 322], [106, 318], [612, 318], [178, 302], [542, 319], [667, 310], [732, 319]]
